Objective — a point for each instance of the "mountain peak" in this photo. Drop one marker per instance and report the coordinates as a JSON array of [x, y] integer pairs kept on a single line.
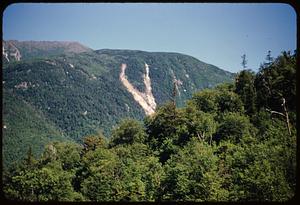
[[14, 50]]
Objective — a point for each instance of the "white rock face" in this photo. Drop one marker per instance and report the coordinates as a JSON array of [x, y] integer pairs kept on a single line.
[[10, 51], [50, 62], [127, 107], [5, 54], [148, 90], [22, 85], [93, 77]]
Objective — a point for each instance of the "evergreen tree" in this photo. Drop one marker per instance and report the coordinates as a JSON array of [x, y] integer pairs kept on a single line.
[[269, 58], [244, 61], [244, 87]]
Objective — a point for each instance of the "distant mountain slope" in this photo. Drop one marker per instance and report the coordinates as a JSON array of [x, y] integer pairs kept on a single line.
[[24, 127], [193, 74], [81, 93], [76, 101], [16, 50]]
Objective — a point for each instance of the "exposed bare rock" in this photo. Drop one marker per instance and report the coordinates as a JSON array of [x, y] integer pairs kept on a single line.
[[5, 54], [50, 62], [146, 100], [22, 85], [10, 51], [148, 90]]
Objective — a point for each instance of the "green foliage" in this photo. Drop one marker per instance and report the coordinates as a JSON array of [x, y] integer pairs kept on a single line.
[[200, 124], [100, 183], [220, 99], [206, 100], [128, 132], [264, 169], [228, 101], [167, 129], [234, 127], [24, 127], [210, 150], [68, 154], [246, 90], [48, 183], [125, 172], [276, 80], [191, 175], [30, 160], [77, 93], [141, 173], [257, 171], [93, 142]]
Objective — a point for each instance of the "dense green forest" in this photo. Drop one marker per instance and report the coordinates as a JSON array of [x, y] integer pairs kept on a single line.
[[234, 142], [33, 124], [79, 94]]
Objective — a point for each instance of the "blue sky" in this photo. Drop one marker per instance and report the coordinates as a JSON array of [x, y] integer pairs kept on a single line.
[[217, 34]]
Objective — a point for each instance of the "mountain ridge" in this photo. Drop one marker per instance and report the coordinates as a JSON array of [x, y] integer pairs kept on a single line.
[[33, 49], [82, 94]]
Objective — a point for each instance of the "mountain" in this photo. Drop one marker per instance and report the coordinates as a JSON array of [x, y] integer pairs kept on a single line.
[[14, 50], [74, 94], [25, 126]]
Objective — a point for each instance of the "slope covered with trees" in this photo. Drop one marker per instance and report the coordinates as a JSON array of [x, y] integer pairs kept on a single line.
[[21, 117], [218, 147], [81, 94]]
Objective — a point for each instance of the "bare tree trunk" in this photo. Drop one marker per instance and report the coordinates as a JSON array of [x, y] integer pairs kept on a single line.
[[174, 93], [201, 136], [275, 112], [286, 116], [198, 136]]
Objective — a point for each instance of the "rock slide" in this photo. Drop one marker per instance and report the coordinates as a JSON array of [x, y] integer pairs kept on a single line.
[[145, 99]]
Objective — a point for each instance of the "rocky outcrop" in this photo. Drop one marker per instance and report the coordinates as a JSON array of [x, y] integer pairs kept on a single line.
[[11, 52]]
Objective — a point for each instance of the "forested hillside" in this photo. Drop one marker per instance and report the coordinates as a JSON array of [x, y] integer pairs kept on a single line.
[[80, 94], [234, 142], [28, 125]]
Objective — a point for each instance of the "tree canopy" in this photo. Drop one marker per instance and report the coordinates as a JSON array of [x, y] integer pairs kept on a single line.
[[226, 144]]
